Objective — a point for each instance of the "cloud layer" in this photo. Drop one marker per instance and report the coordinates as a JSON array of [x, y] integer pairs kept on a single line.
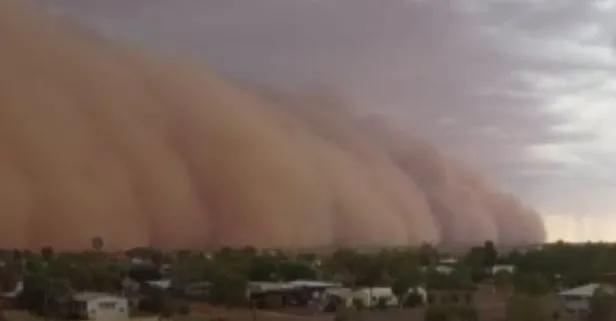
[[525, 89], [137, 150]]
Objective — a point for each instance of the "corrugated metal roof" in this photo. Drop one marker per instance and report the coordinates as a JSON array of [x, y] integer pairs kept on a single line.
[[313, 284], [162, 284], [587, 290]]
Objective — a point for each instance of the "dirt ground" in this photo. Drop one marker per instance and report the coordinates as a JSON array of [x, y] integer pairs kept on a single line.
[[491, 308]]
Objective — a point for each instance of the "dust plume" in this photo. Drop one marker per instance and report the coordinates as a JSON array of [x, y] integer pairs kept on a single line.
[[98, 140]]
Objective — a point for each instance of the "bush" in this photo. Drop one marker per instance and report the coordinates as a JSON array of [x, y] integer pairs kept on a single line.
[[358, 304], [412, 300]]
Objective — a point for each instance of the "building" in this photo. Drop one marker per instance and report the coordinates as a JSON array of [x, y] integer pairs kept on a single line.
[[7, 299], [99, 306], [577, 300], [314, 289], [509, 268], [370, 297]]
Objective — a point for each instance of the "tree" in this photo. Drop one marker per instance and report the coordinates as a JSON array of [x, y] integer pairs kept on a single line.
[[503, 281], [47, 254], [602, 306], [263, 268], [228, 287], [17, 255], [157, 301], [290, 270], [405, 279], [189, 270], [8, 279], [490, 254], [42, 295], [534, 285], [97, 243], [428, 255]]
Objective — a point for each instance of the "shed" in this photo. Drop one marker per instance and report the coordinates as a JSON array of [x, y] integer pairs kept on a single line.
[[99, 306]]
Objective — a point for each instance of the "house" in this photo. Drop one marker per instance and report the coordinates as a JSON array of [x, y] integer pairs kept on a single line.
[[444, 290], [7, 299], [444, 266], [99, 306], [337, 296], [502, 268], [294, 293], [163, 284], [196, 290], [314, 289], [448, 261], [577, 300], [370, 297], [273, 295]]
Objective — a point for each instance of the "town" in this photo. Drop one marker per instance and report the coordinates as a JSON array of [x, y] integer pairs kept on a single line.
[[557, 281]]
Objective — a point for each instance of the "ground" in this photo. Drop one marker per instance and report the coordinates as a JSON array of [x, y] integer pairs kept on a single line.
[[491, 308]]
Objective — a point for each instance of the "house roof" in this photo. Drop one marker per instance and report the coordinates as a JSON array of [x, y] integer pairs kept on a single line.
[[313, 284], [19, 287], [268, 286], [587, 290], [449, 260], [162, 284]]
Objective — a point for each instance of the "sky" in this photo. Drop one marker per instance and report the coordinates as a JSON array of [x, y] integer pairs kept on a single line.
[[523, 89]]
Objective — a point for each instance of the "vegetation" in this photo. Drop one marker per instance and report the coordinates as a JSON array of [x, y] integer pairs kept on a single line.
[[50, 277], [602, 306]]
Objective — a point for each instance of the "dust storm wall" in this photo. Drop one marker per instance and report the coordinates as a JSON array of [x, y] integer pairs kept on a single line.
[[97, 140]]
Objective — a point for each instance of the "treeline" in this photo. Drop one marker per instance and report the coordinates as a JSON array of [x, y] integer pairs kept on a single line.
[[48, 275]]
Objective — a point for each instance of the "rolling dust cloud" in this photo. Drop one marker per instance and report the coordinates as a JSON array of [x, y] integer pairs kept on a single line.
[[98, 140]]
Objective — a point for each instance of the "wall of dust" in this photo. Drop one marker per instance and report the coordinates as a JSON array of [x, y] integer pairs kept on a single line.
[[97, 140]]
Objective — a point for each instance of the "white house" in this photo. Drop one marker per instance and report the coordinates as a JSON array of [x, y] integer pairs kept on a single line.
[[441, 269], [577, 300], [99, 306], [448, 261], [503, 268], [370, 297], [163, 284], [19, 288]]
